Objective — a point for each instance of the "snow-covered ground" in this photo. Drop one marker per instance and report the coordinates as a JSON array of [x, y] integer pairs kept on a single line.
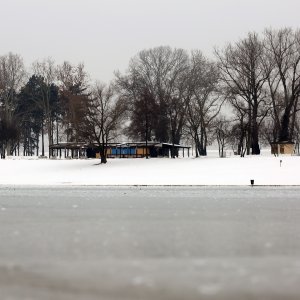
[[232, 170]]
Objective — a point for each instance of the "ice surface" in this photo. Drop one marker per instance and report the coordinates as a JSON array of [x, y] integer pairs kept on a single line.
[[150, 243]]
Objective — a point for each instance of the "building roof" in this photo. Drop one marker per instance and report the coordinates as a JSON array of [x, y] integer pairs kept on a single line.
[[84, 145]]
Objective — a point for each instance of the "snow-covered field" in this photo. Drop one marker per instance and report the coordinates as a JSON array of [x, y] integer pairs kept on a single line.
[[211, 170]]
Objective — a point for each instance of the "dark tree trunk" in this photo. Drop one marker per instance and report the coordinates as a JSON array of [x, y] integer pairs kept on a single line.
[[255, 147], [254, 138], [284, 134], [103, 158], [248, 139], [43, 141], [203, 142], [293, 121], [175, 140], [57, 131], [196, 140], [37, 143], [103, 148]]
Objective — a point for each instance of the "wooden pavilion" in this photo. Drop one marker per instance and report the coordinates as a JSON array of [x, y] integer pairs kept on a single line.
[[118, 150], [282, 148]]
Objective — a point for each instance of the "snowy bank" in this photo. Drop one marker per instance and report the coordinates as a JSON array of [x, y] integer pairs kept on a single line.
[[265, 170]]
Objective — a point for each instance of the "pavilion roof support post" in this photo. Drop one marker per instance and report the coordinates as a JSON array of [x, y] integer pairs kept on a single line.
[[173, 150], [147, 149]]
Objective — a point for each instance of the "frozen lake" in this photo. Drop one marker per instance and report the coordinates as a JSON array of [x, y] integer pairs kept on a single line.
[[230, 243]]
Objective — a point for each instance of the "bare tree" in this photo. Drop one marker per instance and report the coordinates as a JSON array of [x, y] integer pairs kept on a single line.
[[283, 49], [74, 97], [161, 74], [222, 132], [104, 118], [244, 73], [204, 101], [240, 126], [46, 72], [12, 74]]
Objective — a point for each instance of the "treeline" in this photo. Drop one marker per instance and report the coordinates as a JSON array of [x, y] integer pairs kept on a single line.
[[248, 95], [57, 103]]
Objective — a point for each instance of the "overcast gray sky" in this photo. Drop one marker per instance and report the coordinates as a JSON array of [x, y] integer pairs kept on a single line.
[[105, 34]]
